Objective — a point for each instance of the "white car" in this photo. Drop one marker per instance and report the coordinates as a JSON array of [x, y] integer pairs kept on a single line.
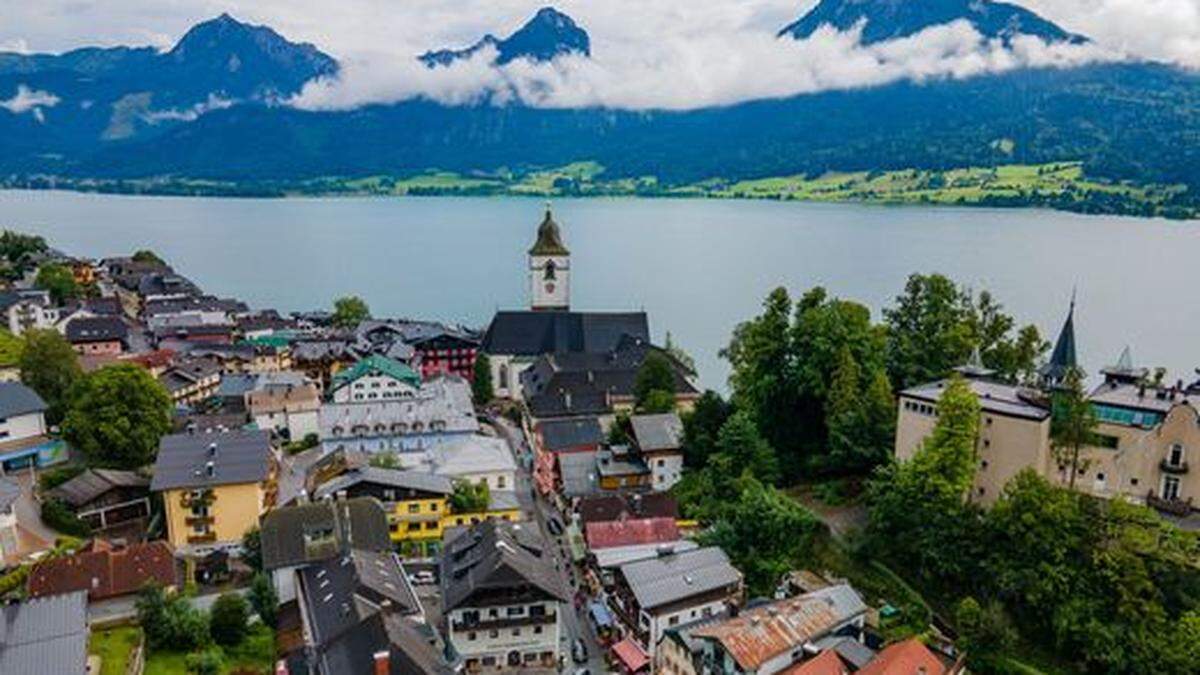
[[424, 577]]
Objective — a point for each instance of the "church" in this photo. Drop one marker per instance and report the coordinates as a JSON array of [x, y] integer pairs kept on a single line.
[[549, 332]]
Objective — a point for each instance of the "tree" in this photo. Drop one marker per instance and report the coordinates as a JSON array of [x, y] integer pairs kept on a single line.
[[170, 621], [655, 375], [746, 449], [986, 634], [349, 311], [676, 352], [470, 497], [252, 549], [658, 401], [482, 390], [1072, 426], [18, 251], [147, 256], [701, 426], [59, 280], [117, 415], [264, 599], [50, 367], [210, 661], [620, 432], [844, 413], [228, 620]]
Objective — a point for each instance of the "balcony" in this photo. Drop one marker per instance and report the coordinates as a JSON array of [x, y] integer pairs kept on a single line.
[[192, 521], [187, 501], [1176, 507], [503, 622], [1167, 467], [206, 538]]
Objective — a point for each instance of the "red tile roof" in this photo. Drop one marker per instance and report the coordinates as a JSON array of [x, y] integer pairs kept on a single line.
[[631, 656], [159, 358], [905, 658], [104, 571], [631, 532], [758, 635], [825, 663]]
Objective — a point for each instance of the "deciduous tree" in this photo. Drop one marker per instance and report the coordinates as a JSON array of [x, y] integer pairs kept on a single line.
[[50, 367], [349, 311], [117, 415]]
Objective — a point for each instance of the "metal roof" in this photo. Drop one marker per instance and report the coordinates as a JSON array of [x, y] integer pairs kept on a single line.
[[93, 483], [995, 397], [657, 432], [411, 480], [496, 557], [571, 433], [240, 456], [530, 333], [18, 399], [44, 635], [670, 578], [288, 532]]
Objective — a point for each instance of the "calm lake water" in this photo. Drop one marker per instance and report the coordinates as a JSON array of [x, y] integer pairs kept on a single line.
[[698, 267]]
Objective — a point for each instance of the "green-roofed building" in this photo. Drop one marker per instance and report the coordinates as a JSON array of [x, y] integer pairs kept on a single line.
[[375, 378]]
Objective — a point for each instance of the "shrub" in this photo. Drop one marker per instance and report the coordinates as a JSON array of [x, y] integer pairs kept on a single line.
[[52, 478], [264, 599], [58, 516], [208, 662], [228, 621]]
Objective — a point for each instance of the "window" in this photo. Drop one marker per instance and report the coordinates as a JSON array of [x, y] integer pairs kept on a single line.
[[500, 482], [514, 611], [471, 636], [516, 632], [493, 633], [1175, 456], [537, 610], [674, 620], [1170, 487], [414, 508], [537, 630], [550, 270]]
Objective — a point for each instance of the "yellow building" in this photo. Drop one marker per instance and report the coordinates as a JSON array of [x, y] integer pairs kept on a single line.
[[417, 504], [214, 486]]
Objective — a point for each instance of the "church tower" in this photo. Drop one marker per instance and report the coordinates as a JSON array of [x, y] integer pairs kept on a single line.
[[549, 269]]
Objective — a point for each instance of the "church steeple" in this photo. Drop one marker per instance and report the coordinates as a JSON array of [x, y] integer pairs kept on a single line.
[[549, 268], [1062, 359]]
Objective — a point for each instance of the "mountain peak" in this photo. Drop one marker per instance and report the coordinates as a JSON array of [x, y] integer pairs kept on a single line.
[[892, 19], [545, 36]]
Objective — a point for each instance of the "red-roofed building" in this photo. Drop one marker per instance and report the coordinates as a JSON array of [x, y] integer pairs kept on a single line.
[[105, 570], [631, 532], [826, 663], [156, 361], [905, 658], [631, 658]]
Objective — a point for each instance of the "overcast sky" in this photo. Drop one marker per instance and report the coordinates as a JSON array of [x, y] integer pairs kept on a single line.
[[647, 53]]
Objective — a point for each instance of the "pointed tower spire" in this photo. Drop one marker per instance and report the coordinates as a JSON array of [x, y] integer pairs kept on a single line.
[[1125, 371], [1062, 359], [974, 368]]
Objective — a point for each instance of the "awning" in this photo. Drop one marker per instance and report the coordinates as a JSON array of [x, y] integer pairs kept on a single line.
[[630, 655], [600, 614]]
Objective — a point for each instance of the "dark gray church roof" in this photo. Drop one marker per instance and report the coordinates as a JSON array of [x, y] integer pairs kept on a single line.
[[529, 333]]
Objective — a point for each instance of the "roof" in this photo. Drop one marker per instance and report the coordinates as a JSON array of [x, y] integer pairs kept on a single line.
[[497, 556], [851, 650], [631, 655], [657, 432], [607, 558], [411, 648], [631, 532], [549, 239], [530, 333], [96, 329], [408, 480], [559, 435], [343, 591], [9, 492], [757, 635], [905, 658], [44, 635], [994, 397], [1062, 359], [18, 399], [614, 507], [304, 398], [236, 456], [826, 663], [578, 473], [93, 483], [678, 576], [294, 535], [104, 571], [376, 365], [444, 402], [472, 455]]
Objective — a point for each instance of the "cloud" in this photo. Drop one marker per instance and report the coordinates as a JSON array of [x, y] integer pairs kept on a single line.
[[698, 69], [213, 102], [30, 100], [1161, 30]]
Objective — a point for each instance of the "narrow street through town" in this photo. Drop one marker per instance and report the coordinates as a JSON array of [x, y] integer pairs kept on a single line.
[[576, 623]]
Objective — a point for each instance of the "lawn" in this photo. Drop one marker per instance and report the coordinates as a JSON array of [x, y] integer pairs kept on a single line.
[[114, 647], [256, 654]]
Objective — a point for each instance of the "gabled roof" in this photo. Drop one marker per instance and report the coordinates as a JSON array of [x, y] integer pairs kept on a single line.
[[905, 658], [826, 663], [678, 576], [614, 507], [497, 557], [407, 480], [294, 535], [103, 571], [580, 432], [411, 648], [96, 329], [631, 532], [657, 432], [93, 483], [237, 456], [376, 365], [18, 399], [44, 635], [530, 333], [340, 593]]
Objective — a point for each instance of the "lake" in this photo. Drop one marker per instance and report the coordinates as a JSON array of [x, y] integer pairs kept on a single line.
[[698, 267]]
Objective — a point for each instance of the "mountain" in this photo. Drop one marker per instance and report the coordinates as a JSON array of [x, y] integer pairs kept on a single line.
[[891, 19], [549, 34], [105, 94]]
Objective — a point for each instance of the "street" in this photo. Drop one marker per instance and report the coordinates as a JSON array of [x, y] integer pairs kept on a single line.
[[575, 620]]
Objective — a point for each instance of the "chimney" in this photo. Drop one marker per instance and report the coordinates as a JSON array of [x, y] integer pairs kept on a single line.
[[383, 664], [212, 449]]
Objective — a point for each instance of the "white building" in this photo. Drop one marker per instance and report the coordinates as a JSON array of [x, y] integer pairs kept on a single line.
[[441, 411], [501, 598], [375, 378], [23, 440], [659, 438], [549, 269], [27, 309], [290, 409]]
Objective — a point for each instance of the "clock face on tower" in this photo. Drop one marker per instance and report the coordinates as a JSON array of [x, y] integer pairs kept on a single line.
[[549, 286]]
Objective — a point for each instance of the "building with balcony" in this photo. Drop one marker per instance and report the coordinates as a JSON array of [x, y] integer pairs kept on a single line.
[[98, 335], [501, 598], [289, 411], [440, 412], [214, 486], [375, 378]]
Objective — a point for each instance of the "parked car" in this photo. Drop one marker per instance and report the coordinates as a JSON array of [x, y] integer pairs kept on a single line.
[[422, 578], [579, 651], [555, 526]]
